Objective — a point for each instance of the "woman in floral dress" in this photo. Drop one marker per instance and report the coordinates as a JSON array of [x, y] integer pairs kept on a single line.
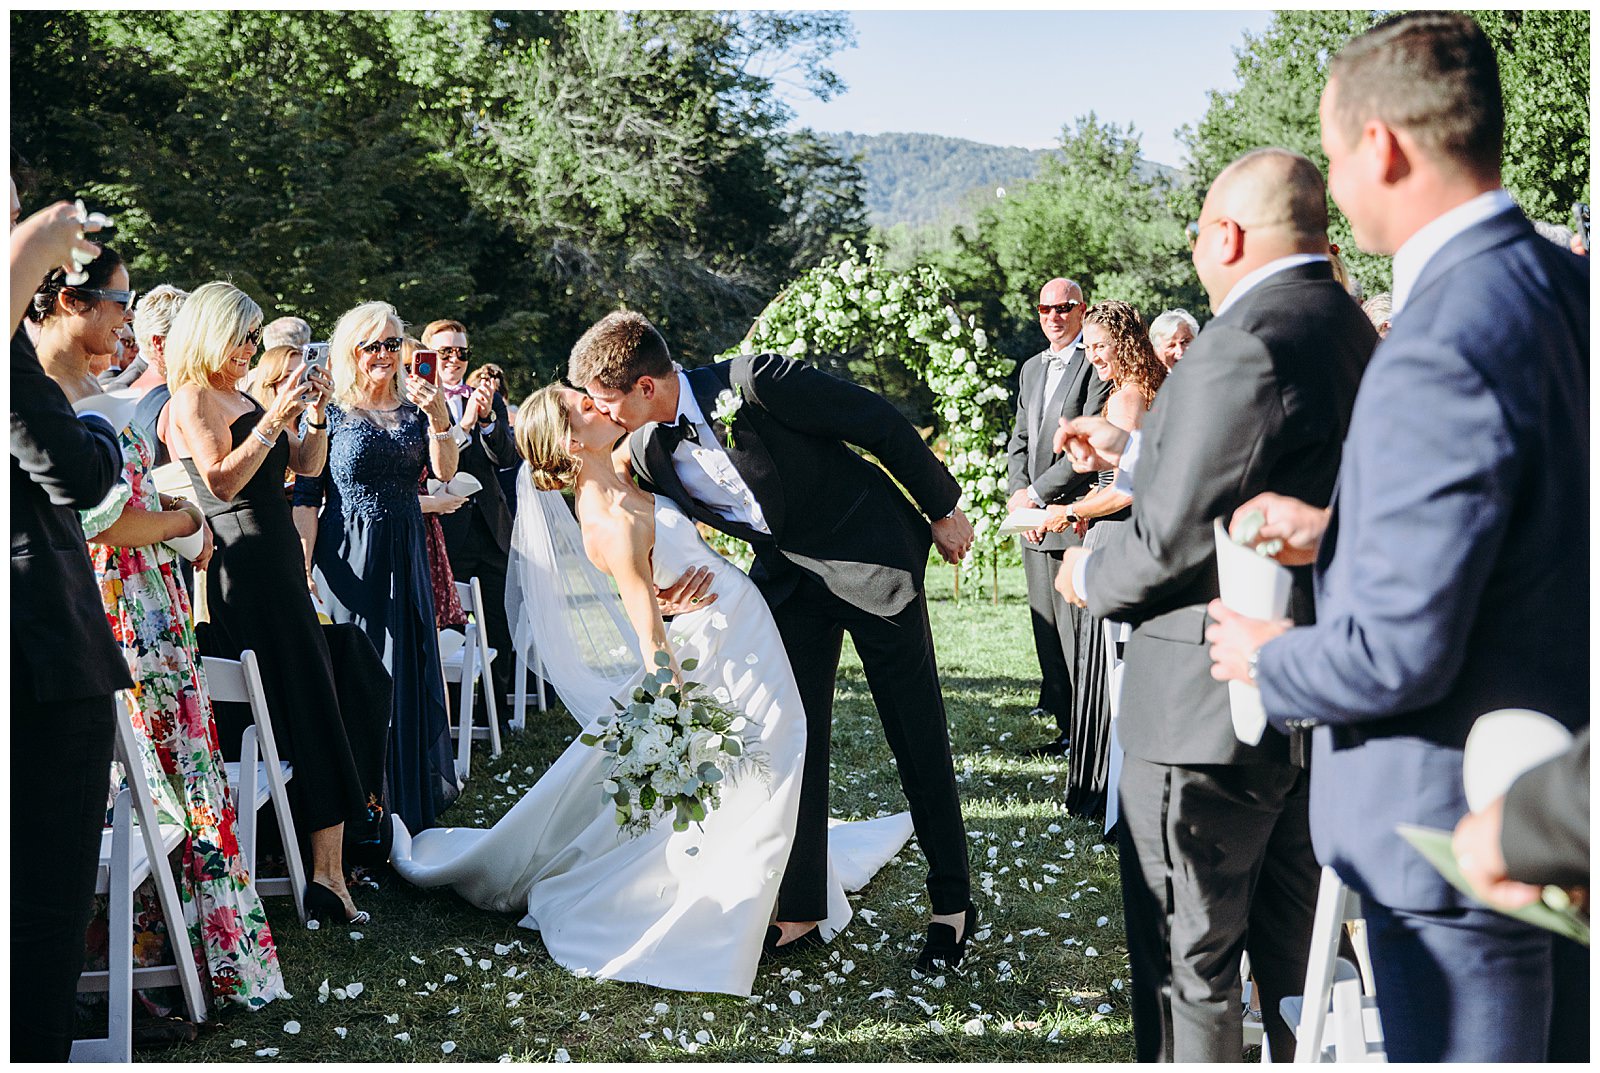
[[149, 612]]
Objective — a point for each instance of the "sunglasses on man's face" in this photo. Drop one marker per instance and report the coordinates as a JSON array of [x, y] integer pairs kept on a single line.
[[454, 353], [391, 344], [121, 298], [1060, 307]]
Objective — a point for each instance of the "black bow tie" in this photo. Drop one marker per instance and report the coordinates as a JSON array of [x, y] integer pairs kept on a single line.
[[678, 431]]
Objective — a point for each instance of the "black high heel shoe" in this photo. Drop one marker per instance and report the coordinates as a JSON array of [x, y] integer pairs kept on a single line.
[[808, 940], [320, 901], [942, 951]]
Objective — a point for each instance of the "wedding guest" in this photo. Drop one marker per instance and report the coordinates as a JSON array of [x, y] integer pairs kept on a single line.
[[129, 365], [236, 451], [448, 612], [369, 558], [147, 605], [1215, 849], [1171, 333], [286, 331], [1118, 347], [277, 367], [478, 535], [152, 321], [1455, 577], [65, 664], [1379, 308], [1055, 383]]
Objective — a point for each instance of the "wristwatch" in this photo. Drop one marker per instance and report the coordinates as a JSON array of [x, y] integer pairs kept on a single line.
[[1250, 664]]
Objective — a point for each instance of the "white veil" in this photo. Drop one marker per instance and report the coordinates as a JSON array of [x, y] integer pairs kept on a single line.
[[566, 620]]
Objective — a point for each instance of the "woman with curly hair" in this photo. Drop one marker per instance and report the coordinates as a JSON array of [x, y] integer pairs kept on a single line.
[[1117, 344]]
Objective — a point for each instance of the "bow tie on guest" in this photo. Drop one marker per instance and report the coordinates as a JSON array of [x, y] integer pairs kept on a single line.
[[1059, 360], [459, 391], [677, 431]]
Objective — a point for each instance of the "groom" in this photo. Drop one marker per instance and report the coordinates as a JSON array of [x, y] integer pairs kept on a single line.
[[756, 447]]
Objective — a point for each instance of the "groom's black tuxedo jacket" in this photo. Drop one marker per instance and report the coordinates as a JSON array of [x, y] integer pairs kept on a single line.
[[833, 514]]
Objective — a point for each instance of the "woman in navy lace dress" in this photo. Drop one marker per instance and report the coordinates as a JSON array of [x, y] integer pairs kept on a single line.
[[369, 556]]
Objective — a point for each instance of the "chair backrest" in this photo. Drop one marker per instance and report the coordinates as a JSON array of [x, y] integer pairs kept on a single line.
[[239, 681]]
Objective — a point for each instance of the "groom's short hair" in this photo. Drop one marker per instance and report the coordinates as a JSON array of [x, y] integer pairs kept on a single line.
[[617, 351]]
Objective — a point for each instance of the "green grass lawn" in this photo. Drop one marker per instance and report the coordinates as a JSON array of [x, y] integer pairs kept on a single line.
[[1045, 976]]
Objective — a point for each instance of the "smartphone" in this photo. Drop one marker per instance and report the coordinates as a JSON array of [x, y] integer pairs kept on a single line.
[[425, 363], [316, 356]]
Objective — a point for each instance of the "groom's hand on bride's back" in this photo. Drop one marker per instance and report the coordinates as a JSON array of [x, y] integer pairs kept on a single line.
[[953, 536], [691, 592]]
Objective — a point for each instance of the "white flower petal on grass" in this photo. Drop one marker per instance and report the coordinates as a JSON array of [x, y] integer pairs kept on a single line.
[[702, 1036], [450, 977], [354, 990], [1104, 1007], [292, 1027], [786, 1048], [796, 997], [448, 1046], [313, 924], [485, 964], [267, 1052], [501, 949], [1102, 922], [973, 1027], [236, 1044], [936, 1028], [582, 1017], [341, 1032], [403, 1037], [357, 936], [1091, 952], [417, 961], [518, 1022], [660, 1007], [706, 1016], [561, 1055], [392, 1018], [821, 1019]]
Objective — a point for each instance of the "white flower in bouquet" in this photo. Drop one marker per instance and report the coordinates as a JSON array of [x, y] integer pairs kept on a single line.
[[663, 708], [652, 745]]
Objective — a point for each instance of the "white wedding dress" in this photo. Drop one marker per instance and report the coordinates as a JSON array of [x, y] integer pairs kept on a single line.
[[688, 910]]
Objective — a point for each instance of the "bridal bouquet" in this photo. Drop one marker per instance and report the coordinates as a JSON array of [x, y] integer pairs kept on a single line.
[[671, 748]]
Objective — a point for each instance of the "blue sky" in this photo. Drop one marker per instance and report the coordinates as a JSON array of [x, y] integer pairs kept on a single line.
[[1016, 77]]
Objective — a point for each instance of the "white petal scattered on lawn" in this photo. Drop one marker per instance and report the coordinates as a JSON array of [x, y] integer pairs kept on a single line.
[[448, 1046], [236, 1044], [1104, 1007], [786, 1048], [706, 1016], [417, 961], [356, 935], [937, 1028], [313, 925], [561, 1055], [822, 1019], [702, 1036], [973, 1027], [355, 989], [341, 1032], [1091, 952], [292, 1027], [392, 1018], [485, 964], [582, 1017], [796, 997], [660, 1007], [267, 1052], [403, 1037]]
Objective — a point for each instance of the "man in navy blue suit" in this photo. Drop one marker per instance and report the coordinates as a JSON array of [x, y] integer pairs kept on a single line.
[[1452, 565]]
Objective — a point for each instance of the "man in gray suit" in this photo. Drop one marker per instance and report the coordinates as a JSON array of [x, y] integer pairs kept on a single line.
[[1055, 383], [1215, 847]]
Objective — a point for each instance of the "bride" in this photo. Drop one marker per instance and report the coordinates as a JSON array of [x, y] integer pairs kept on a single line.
[[682, 910]]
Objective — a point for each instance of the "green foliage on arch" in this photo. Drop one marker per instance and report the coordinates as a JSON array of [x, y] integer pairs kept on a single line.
[[858, 305]]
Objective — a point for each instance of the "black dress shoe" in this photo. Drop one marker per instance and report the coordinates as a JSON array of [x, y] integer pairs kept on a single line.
[[1051, 749], [807, 941], [942, 951]]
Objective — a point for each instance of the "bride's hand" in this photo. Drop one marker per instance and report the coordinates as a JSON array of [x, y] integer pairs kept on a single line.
[[691, 592]]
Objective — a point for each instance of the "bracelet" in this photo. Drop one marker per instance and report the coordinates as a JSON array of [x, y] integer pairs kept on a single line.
[[445, 434], [319, 428], [256, 432]]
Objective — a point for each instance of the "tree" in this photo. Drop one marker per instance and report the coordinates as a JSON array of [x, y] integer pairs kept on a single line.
[[1089, 214], [1544, 76]]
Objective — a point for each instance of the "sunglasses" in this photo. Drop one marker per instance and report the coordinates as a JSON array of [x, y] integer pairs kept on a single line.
[[454, 353], [1060, 307], [253, 336], [391, 344], [121, 298]]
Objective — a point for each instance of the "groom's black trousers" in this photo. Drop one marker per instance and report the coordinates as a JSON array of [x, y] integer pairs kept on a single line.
[[897, 656]]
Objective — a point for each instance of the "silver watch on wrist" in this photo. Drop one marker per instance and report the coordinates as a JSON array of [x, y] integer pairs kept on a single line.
[[1250, 662]]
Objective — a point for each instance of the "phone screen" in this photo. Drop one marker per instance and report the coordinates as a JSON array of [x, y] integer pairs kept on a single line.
[[426, 365]]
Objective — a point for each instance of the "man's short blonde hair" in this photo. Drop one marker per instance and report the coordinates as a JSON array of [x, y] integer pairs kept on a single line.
[[617, 351]]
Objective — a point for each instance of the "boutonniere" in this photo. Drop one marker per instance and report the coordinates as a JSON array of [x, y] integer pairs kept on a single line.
[[727, 408]]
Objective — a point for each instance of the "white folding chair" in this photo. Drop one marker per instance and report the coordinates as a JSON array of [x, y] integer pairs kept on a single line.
[[1333, 993], [466, 662], [136, 847], [260, 777], [527, 661]]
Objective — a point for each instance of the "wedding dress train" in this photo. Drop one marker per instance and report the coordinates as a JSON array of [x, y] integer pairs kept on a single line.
[[682, 910]]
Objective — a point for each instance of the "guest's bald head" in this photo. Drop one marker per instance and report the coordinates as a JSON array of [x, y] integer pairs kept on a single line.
[[1273, 190], [1268, 204]]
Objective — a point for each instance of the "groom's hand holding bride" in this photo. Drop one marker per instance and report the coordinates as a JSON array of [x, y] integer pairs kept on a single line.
[[953, 536]]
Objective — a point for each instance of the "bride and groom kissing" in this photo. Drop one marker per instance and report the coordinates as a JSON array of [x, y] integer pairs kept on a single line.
[[756, 447]]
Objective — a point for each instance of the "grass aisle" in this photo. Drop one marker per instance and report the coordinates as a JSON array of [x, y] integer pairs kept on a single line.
[[1045, 977]]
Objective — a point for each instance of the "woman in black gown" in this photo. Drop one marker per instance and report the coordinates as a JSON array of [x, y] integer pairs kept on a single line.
[[236, 451], [1118, 346], [369, 555]]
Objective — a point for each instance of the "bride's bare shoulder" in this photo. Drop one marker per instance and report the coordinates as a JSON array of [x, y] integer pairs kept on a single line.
[[615, 533]]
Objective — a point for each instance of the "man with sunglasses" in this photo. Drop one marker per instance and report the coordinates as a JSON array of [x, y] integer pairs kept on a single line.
[[1055, 384], [477, 537]]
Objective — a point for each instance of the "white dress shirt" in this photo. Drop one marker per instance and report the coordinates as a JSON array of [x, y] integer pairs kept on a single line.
[[1412, 257], [1054, 371], [707, 473]]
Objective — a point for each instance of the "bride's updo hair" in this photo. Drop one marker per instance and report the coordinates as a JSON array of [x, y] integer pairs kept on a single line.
[[543, 433]]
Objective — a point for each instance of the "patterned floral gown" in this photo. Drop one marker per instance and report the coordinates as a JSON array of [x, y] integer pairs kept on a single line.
[[149, 612]]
